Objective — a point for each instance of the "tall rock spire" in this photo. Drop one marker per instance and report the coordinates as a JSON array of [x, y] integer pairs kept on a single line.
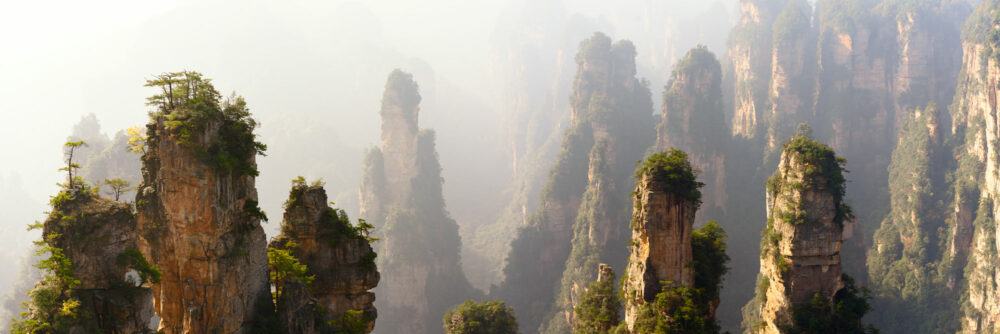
[[401, 194], [198, 218], [800, 267], [666, 198]]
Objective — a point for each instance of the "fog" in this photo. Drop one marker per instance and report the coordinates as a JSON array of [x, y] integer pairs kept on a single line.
[[312, 73]]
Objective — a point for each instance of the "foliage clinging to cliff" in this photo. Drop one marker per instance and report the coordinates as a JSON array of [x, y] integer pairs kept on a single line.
[[599, 309], [189, 103], [674, 171], [492, 317]]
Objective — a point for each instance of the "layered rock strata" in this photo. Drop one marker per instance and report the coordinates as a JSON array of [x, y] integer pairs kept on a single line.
[[339, 258], [662, 222], [200, 225], [800, 250]]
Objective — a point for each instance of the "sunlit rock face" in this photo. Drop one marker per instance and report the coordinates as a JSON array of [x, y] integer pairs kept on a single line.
[[802, 240], [95, 233], [661, 244], [749, 52], [194, 224], [974, 113], [341, 261]]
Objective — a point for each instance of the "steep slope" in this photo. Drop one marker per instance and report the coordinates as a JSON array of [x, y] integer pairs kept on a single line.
[[974, 121], [800, 272], [693, 120], [96, 278], [666, 199], [340, 260], [401, 194], [610, 128], [197, 210], [909, 265], [749, 52]]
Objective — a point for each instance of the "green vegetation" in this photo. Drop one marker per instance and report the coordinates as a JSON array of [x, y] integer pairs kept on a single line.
[[132, 258], [72, 183], [352, 322], [191, 106], [843, 315], [599, 309], [283, 266], [581, 189], [792, 23], [672, 169], [470, 317], [822, 170], [708, 245], [692, 104], [910, 268], [52, 307], [675, 310], [401, 91], [679, 309], [117, 187]]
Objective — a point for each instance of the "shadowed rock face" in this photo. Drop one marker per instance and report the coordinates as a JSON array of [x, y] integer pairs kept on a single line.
[[661, 245], [194, 224], [401, 194], [341, 261], [110, 295]]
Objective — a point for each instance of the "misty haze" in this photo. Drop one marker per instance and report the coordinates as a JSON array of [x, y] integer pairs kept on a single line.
[[500, 166]]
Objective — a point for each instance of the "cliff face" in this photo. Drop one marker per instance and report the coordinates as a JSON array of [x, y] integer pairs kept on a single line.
[[974, 116], [790, 92], [198, 219], [419, 257], [853, 70], [574, 226], [336, 254], [661, 244], [800, 248], [693, 118], [750, 55], [910, 264], [98, 236]]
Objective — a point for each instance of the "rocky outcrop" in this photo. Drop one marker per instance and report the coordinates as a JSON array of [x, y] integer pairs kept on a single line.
[[574, 226], [402, 196], [974, 117], [98, 236], [800, 249], [662, 221], [198, 219], [693, 118], [337, 255], [912, 265], [750, 54], [790, 93]]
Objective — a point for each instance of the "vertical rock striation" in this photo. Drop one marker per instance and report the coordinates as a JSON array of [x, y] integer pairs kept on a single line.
[[693, 120], [800, 268], [401, 194], [574, 226], [974, 119], [750, 55], [337, 255], [198, 219], [665, 201]]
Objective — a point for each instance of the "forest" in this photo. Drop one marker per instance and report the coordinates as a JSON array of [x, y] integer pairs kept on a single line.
[[503, 166]]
